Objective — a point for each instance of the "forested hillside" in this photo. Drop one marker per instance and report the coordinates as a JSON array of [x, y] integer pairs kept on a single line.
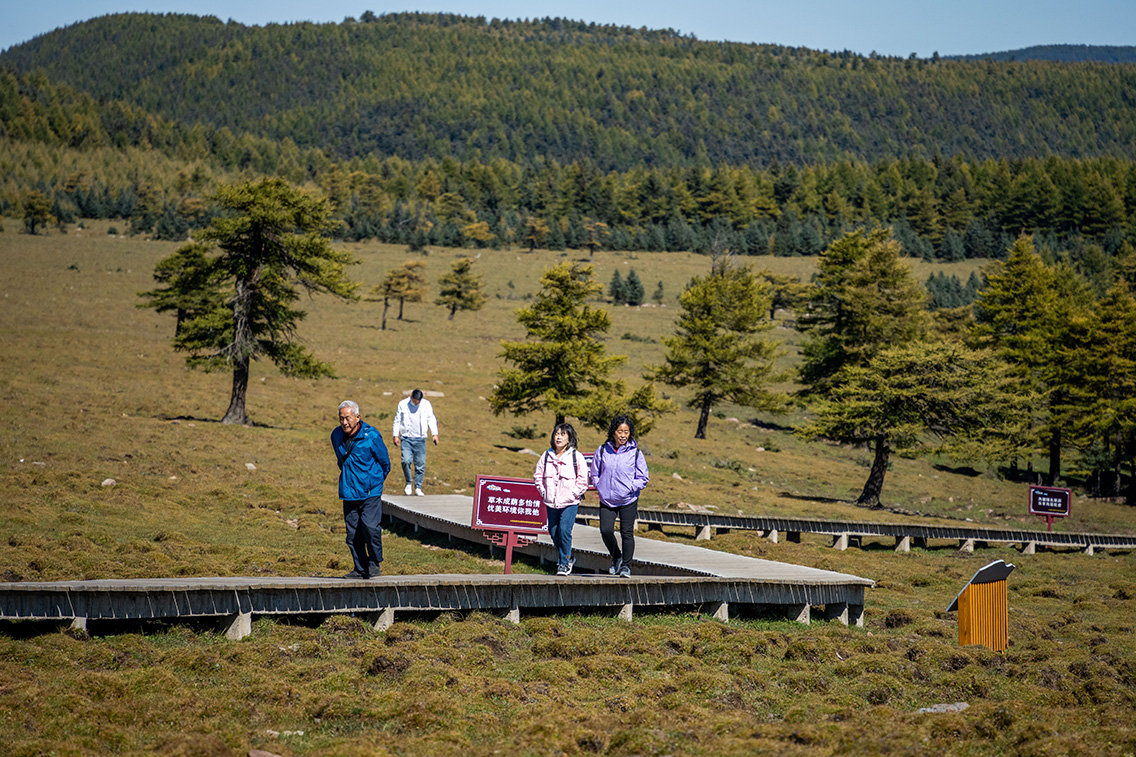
[[604, 137], [1062, 54], [418, 86]]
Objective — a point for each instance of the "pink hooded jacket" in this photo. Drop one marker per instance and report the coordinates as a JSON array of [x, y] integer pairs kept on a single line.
[[558, 483]]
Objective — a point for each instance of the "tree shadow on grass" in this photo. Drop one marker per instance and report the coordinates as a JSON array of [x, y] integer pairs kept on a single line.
[[769, 425], [509, 447], [814, 498], [214, 421], [962, 470]]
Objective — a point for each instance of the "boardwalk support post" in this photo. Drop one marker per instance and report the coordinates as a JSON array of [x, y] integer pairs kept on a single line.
[[836, 611], [1029, 548], [722, 612], [800, 613], [704, 534], [903, 544], [381, 620], [239, 627], [625, 612], [840, 542], [966, 545]]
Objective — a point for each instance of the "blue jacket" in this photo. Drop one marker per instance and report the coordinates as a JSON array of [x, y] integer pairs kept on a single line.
[[363, 462], [619, 475]]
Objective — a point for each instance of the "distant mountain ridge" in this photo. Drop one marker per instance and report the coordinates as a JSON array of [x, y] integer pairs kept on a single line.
[[422, 86], [1060, 54]]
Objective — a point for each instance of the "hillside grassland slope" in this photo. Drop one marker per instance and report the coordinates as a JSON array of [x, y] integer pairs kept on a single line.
[[91, 390]]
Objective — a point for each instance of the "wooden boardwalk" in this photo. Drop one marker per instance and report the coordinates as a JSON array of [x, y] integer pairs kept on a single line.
[[665, 575], [849, 533]]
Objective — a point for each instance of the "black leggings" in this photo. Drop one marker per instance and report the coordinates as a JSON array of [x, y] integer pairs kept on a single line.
[[627, 516]]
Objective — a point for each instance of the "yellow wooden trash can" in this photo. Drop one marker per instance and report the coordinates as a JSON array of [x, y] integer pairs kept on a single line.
[[983, 612]]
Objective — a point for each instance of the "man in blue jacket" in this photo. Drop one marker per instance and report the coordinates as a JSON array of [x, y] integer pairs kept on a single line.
[[363, 466]]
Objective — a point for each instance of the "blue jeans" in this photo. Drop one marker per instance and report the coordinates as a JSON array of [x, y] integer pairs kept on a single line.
[[413, 459], [560, 522], [362, 517]]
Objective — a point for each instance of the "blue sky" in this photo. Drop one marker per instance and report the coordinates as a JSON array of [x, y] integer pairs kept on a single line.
[[889, 27]]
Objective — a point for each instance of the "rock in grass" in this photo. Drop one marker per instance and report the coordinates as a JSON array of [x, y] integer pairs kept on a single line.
[[109, 482], [936, 709]]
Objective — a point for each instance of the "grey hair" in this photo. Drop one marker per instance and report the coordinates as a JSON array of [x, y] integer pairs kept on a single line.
[[351, 404]]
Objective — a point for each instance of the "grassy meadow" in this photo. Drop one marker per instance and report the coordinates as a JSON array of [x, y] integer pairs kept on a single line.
[[91, 390]]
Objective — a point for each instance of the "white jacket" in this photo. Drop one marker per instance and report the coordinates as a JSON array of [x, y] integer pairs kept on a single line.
[[418, 423]]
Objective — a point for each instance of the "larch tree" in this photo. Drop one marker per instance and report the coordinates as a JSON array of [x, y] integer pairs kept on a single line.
[[268, 243], [1098, 368], [37, 211], [563, 366], [864, 299], [460, 289], [1022, 313], [405, 284], [718, 349], [192, 285], [535, 231], [924, 397]]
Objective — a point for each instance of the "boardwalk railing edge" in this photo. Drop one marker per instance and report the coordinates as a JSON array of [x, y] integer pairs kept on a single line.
[[904, 533]]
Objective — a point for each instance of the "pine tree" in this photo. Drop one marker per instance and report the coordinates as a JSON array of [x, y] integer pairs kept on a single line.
[[460, 289], [633, 289], [718, 349], [616, 290], [270, 240], [658, 296]]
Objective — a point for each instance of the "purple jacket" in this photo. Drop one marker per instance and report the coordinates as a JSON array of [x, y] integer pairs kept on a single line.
[[619, 475]]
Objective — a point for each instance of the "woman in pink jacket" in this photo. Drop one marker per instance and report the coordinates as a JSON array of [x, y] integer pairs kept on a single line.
[[561, 477]]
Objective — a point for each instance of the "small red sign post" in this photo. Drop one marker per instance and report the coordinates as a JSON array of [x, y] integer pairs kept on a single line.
[[1050, 502], [510, 512]]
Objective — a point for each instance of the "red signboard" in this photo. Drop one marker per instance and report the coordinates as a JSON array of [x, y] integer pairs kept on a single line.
[[508, 504], [1050, 502]]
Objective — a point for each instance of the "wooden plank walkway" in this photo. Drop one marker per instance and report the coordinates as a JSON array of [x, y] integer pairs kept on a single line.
[[906, 535], [665, 575]]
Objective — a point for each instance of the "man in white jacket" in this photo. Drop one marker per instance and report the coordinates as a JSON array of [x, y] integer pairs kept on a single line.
[[413, 422]]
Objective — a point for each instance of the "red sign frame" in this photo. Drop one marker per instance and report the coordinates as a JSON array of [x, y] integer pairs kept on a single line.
[[1050, 502], [501, 503]]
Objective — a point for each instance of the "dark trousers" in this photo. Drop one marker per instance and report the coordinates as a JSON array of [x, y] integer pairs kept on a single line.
[[364, 535], [627, 515]]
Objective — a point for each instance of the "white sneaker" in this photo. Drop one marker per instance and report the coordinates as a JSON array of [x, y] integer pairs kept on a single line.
[[419, 493], [408, 489]]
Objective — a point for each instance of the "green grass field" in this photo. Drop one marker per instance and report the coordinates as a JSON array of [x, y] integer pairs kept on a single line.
[[91, 390]]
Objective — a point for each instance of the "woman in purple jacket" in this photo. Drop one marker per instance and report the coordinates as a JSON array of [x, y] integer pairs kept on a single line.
[[619, 473]]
